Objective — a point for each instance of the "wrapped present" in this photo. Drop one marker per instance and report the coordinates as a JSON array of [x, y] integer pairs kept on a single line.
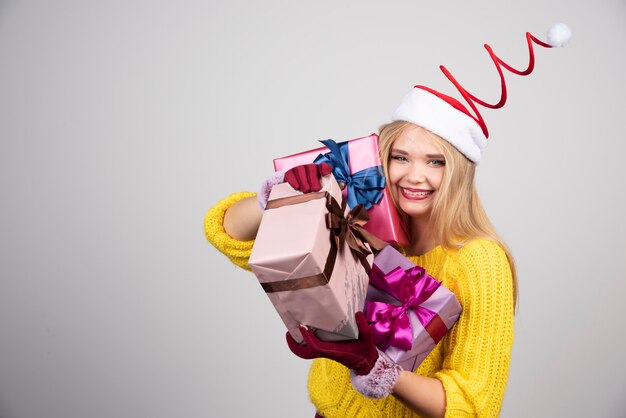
[[356, 163], [310, 262], [408, 310]]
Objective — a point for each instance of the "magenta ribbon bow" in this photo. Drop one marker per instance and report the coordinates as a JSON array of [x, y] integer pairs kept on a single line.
[[390, 323]]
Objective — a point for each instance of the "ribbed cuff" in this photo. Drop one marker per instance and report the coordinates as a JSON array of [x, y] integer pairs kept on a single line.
[[264, 194], [379, 382]]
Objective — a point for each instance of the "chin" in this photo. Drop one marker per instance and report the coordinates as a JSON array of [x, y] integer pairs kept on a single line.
[[414, 211]]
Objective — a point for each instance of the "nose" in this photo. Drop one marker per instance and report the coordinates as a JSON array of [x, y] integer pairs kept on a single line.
[[416, 175]]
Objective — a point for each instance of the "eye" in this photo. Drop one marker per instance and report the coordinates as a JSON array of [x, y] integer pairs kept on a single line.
[[398, 157], [437, 162]]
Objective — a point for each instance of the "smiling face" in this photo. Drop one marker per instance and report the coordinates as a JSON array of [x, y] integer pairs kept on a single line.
[[416, 167]]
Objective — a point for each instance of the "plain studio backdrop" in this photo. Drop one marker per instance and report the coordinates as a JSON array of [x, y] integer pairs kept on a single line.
[[122, 122]]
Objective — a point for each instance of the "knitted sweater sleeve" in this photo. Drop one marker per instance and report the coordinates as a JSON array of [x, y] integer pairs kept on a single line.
[[237, 251], [475, 368]]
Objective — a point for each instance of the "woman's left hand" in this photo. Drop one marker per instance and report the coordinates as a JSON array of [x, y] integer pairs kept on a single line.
[[359, 355], [372, 373]]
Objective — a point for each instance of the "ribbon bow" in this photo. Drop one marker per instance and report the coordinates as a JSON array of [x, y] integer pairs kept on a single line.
[[349, 228], [390, 323], [364, 187]]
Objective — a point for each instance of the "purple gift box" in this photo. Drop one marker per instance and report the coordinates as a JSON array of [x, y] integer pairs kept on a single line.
[[408, 310]]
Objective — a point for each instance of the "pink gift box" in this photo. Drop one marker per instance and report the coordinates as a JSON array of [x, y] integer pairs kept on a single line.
[[293, 258], [384, 220], [408, 310]]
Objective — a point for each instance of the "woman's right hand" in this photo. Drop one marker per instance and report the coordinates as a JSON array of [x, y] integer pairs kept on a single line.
[[242, 219], [307, 178]]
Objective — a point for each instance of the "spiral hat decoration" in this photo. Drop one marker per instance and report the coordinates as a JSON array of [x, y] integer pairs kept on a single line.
[[448, 118]]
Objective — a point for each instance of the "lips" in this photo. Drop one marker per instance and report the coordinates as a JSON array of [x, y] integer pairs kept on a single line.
[[415, 194]]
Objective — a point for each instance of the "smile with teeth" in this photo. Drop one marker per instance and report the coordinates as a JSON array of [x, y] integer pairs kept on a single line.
[[415, 194]]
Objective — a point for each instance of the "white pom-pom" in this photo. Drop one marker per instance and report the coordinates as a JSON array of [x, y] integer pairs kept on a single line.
[[559, 34]]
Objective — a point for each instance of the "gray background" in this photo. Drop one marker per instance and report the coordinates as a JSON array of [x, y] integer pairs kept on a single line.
[[122, 122]]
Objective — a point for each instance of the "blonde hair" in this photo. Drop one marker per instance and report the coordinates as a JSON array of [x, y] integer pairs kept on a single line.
[[458, 215]]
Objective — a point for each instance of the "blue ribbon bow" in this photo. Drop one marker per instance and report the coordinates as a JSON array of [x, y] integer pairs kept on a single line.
[[365, 187]]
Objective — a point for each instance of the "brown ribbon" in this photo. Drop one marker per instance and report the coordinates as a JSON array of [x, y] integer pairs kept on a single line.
[[356, 220], [294, 200], [348, 228]]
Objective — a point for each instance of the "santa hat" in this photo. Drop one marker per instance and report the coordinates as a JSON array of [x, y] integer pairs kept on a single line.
[[448, 118]]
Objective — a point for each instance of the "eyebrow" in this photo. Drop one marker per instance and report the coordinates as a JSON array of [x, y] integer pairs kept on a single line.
[[403, 152]]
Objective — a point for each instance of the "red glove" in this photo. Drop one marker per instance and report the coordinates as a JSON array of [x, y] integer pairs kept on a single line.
[[359, 355], [306, 178]]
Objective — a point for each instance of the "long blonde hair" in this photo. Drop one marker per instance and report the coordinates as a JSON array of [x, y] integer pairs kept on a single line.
[[458, 215]]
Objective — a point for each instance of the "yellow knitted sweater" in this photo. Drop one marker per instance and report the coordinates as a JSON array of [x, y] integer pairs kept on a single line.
[[472, 360]]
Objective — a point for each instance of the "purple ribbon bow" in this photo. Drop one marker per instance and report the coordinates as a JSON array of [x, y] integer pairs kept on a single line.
[[390, 323]]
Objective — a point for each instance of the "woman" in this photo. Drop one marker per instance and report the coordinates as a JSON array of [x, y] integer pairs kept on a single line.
[[432, 184], [429, 156]]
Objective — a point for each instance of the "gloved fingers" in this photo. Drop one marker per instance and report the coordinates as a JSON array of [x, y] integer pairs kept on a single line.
[[313, 177], [302, 351], [329, 349], [290, 177], [318, 348], [324, 169], [364, 327], [307, 177], [315, 174], [365, 336], [297, 178], [312, 341]]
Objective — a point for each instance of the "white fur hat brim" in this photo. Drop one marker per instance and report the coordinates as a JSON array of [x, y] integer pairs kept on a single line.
[[433, 113]]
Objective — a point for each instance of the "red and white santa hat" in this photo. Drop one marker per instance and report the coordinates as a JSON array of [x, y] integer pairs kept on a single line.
[[448, 118]]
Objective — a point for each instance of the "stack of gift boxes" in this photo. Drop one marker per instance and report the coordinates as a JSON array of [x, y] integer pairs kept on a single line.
[[314, 257]]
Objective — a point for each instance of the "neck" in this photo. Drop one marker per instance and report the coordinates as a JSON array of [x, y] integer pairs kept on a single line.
[[422, 236]]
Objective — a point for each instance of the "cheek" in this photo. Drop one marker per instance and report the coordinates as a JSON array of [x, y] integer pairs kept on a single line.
[[395, 174], [438, 179]]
